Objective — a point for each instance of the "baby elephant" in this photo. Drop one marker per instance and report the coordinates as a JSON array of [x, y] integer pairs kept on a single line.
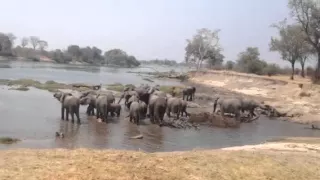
[[114, 108], [134, 112], [143, 109]]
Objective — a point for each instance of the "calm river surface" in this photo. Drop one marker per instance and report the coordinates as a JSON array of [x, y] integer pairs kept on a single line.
[[34, 117]]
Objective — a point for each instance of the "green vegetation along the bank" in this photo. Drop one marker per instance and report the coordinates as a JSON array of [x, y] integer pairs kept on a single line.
[[52, 86], [8, 140]]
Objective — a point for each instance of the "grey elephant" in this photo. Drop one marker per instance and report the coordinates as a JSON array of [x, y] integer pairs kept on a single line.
[[134, 112], [184, 105], [174, 105], [157, 108], [228, 105], [188, 92], [126, 96], [130, 100], [250, 105], [89, 100], [114, 108], [143, 109], [70, 104], [102, 104]]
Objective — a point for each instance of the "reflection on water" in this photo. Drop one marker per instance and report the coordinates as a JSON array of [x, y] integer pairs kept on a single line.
[[34, 117]]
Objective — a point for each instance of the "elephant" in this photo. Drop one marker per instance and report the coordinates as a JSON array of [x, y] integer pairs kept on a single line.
[[128, 88], [189, 93], [157, 108], [126, 95], [130, 100], [228, 105], [103, 102], [86, 93], [89, 100], [69, 103], [184, 105], [143, 109], [174, 105], [250, 105], [114, 108], [134, 112]]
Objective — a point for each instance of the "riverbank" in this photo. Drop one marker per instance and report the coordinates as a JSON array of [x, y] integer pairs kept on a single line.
[[299, 98], [198, 164]]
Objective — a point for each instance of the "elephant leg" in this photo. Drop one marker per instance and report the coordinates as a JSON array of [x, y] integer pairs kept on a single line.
[[62, 113], [237, 115], [98, 113], [72, 114], [168, 112], [77, 114], [130, 118], [67, 114], [151, 114], [88, 110]]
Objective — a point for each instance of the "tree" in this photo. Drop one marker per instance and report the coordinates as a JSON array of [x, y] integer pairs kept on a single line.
[[12, 38], [249, 61], [214, 57], [306, 51], [307, 14], [230, 65], [74, 50], [5, 44], [290, 44], [120, 58], [198, 47], [34, 41], [42, 45], [24, 42]]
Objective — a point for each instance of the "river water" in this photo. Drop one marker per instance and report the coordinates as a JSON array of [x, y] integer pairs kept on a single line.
[[34, 117]]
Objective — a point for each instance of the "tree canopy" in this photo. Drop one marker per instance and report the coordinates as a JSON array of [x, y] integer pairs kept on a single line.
[[203, 45]]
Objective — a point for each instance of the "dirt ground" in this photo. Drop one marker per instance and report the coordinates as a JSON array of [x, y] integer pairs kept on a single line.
[[287, 96], [198, 164]]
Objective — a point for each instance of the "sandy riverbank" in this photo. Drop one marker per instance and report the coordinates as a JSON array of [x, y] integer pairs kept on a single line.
[[236, 163], [285, 95]]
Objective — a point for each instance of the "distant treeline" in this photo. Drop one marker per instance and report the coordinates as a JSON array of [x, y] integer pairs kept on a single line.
[[160, 62], [34, 48]]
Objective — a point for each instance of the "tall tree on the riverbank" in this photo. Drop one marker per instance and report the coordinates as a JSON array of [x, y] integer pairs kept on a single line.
[[12, 38], [214, 57], [5, 45], [200, 45], [74, 50], [291, 44], [43, 45], [307, 14], [34, 41], [24, 42]]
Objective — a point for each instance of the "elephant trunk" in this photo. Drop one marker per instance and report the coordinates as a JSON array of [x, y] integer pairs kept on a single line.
[[215, 105]]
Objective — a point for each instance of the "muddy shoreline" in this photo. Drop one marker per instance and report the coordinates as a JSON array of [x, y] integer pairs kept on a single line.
[[299, 102]]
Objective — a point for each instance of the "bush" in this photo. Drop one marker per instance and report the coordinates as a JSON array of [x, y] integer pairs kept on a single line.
[[272, 69], [310, 71], [230, 65]]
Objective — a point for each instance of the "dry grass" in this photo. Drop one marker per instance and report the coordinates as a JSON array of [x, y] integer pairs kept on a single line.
[[213, 164]]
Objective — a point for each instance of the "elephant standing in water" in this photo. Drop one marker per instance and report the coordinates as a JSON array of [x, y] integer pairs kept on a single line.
[[70, 104], [134, 112], [89, 100], [184, 105], [189, 93], [157, 108], [114, 108], [127, 95], [228, 105], [174, 105], [250, 105], [102, 104]]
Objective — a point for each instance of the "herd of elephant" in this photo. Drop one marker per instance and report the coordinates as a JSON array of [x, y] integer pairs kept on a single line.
[[138, 101], [142, 99]]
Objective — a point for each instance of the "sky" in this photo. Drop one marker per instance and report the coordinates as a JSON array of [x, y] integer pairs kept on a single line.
[[147, 29]]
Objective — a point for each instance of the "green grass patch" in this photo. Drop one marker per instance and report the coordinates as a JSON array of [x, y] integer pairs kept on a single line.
[[118, 86], [8, 140], [21, 88]]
